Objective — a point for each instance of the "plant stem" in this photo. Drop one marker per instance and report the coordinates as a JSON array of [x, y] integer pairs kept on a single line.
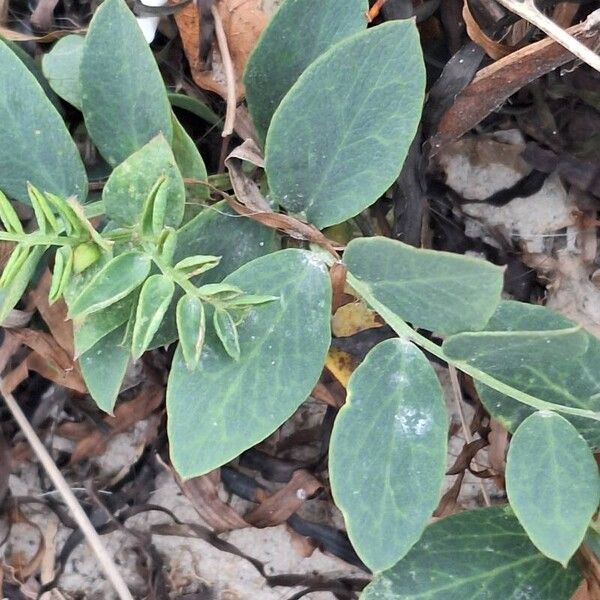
[[181, 280], [37, 239], [404, 330]]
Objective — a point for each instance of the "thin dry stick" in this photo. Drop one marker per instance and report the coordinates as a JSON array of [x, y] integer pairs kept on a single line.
[[527, 10], [229, 72], [91, 535], [457, 393]]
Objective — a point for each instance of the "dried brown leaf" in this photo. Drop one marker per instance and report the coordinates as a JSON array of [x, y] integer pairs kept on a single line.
[[49, 359], [281, 505], [243, 22], [492, 48], [55, 316], [15, 377], [202, 492]]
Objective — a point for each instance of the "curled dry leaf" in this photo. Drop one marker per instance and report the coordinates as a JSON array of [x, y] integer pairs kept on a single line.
[[249, 201], [50, 360], [203, 493], [243, 22], [492, 48], [281, 505]]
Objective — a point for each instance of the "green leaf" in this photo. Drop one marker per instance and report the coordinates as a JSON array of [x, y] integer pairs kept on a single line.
[[155, 297], [194, 265], [189, 161], [552, 483], [246, 300], [92, 328], [61, 68], [10, 295], [480, 554], [340, 136], [113, 281], [166, 245], [8, 215], [61, 274], [133, 180], [44, 216], [103, 368], [387, 455], [560, 374], [438, 291], [226, 331], [13, 265], [191, 326], [224, 407], [195, 106], [297, 34], [35, 144], [123, 97], [222, 291], [153, 213], [36, 71]]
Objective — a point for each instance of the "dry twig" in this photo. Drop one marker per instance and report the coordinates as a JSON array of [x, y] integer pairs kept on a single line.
[[229, 72]]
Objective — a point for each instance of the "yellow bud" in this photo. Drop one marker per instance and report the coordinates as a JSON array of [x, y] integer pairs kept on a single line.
[[85, 255]]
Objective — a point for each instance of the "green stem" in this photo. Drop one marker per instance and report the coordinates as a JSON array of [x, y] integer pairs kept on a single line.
[[180, 279], [404, 330], [38, 239]]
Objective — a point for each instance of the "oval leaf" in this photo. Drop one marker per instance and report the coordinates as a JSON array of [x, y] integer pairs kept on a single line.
[[438, 291], [387, 456], [227, 332], [103, 368], [152, 305], [61, 68], [114, 281], [11, 294], [552, 483], [297, 34], [35, 145], [224, 407], [561, 374], [134, 179], [123, 97], [191, 327], [190, 162], [92, 328], [340, 136], [479, 554]]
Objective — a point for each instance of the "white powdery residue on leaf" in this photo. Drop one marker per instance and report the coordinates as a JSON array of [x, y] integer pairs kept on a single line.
[[412, 422]]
